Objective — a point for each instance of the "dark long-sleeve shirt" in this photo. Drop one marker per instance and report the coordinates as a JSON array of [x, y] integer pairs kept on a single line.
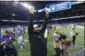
[[31, 17], [37, 40], [30, 29]]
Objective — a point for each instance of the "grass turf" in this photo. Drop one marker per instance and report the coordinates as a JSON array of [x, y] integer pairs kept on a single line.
[[51, 52]]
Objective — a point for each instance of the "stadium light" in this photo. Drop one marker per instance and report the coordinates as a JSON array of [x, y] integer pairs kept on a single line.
[[27, 5], [16, 0], [80, 0], [13, 14]]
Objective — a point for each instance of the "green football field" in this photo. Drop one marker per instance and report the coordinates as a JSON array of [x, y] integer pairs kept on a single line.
[[51, 51]]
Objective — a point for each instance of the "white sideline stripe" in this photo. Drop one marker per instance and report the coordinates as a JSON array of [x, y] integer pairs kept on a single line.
[[79, 51], [70, 17], [80, 26], [80, 16]]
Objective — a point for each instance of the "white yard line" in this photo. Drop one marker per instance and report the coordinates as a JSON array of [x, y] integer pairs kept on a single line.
[[79, 52], [80, 26]]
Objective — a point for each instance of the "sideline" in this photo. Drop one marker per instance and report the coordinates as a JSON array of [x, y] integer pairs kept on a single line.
[[80, 53], [80, 26]]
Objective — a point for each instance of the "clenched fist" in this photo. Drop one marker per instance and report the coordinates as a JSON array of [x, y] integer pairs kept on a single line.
[[32, 10], [47, 12]]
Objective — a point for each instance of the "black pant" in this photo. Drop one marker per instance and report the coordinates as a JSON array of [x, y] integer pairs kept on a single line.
[[2, 53], [73, 40], [11, 51], [62, 52], [38, 47], [58, 51], [42, 51]]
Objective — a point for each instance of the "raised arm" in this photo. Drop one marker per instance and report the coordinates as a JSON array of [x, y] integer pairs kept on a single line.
[[30, 28], [31, 17], [46, 21]]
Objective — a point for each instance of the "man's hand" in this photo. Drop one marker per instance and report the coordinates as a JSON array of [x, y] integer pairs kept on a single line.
[[32, 10], [47, 12], [2, 42]]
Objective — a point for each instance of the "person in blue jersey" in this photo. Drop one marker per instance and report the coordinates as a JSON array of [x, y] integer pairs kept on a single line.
[[7, 43], [14, 31], [20, 37], [2, 53], [24, 28]]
